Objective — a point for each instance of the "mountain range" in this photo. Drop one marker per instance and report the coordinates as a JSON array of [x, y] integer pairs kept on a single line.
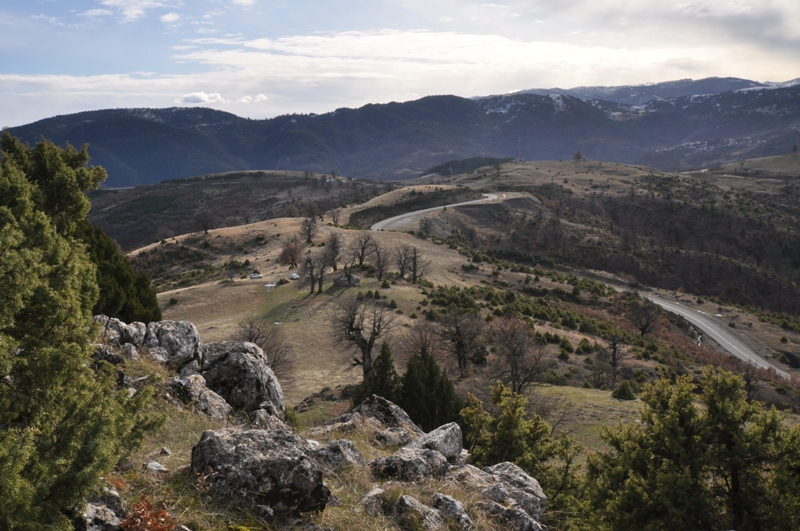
[[670, 126]]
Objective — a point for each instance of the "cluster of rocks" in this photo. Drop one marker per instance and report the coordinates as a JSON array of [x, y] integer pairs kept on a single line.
[[217, 379], [263, 465], [275, 471]]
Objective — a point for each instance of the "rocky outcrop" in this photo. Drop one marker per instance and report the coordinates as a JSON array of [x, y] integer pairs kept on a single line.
[[514, 485], [417, 515], [192, 390], [240, 373], [388, 422], [256, 467], [175, 343], [445, 439], [336, 454], [452, 509], [410, 464], [115, 332], [515, 518], [102, 513]]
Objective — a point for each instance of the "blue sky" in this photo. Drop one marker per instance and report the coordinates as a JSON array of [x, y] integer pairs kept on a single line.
[[262, 58]]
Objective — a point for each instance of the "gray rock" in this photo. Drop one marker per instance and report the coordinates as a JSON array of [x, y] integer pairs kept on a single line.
[[158, 354], [421, 515], [445, 439], [115, 332], [451, 508], [157, 468], [179, 339], [514, 484], [240, 373], [260, 418], [389, 424], [335, 454], [390, 437], [130, 351], [471, 476], [372, 503], [193, 390], [410, 464], [105, 353], [261, 467], [518, 519], [102, 513]]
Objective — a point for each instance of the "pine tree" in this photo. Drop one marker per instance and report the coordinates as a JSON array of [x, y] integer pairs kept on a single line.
[[63, 425], [383, 380], [427, 395], [718, 466]]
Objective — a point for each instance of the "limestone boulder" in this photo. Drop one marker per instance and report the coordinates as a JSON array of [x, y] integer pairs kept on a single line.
[[418, 515], [102, 513], [336, 454], [452, 509], [115, 332], [179, 342], [193, 390], [445, 439], [513, 484], [261, 468], [388, 423], [515, 518], [240, 373], [410, 464]]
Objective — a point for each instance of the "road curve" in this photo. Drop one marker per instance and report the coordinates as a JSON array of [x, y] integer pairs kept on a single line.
[[716, 332], [387, 224]]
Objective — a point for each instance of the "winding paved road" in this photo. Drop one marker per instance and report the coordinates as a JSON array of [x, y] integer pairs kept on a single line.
[[717, 332], [699, 319], [387, 224]]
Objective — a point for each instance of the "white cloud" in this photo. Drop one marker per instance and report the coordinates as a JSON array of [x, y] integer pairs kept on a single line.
[[50, 20], [245, 3], [97, 13], [170, 18], [200, 97], [131, 10]]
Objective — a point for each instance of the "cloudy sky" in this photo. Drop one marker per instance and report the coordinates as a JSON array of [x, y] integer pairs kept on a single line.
[[262, 58]]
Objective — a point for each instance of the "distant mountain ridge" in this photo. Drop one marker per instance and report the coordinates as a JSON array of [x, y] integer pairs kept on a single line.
[[400, 140], [639, 94]]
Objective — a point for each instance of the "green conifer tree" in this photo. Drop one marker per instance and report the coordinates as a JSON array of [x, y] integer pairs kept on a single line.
[[383, 380], [427, 394], [63, 425]]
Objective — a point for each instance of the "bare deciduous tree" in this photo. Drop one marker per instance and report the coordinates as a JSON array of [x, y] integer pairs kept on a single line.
[[361, 322], [290, 211], [333, 250], [424, 340], [615, 356], [643, 314], [362, 246], [308, 229], [205, 220], [336, 214], [312, 271], [380, 259], [271, 341], [426, 226], [417, 264], [402, 255], [292, 252], [461, 334], [520, 357]]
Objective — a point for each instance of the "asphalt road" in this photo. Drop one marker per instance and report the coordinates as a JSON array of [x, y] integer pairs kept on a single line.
[[388, 224], [717, 332], [701, 320]]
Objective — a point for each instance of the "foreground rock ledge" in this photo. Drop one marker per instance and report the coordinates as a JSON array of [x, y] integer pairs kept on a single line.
[[261, 468]]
